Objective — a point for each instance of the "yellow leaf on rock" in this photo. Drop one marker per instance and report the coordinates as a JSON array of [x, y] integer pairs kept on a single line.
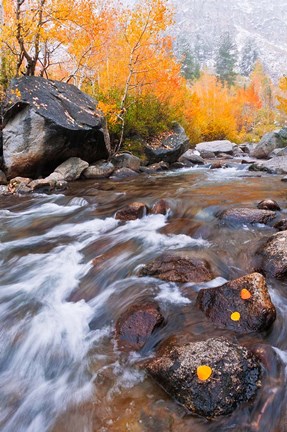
[[203, 372], [235, 316]]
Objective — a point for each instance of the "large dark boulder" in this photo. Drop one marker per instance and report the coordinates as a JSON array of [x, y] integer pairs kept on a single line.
[[270, 142], [178, 267], [47, 122], [242, 305], [234, 375], [169, 148], [273, 256]]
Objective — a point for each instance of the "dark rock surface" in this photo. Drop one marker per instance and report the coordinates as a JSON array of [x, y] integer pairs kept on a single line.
[[273, 256], [136, 325], [46, 122], [257, 313], [124, 173], [281, 225], [170, 148], [178, 267], [235, 375], [242, 215], [154, 168], [3, 179], [190, 156], [268, 204], [133, 211], [270, 142]]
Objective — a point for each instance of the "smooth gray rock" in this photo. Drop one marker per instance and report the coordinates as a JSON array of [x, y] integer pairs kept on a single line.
[[273, 256], [235, 375], [221, 146], [71, 169], [46, 122], [190, 156], [270, 142], [98, 170], [126, 160], [123, 173], [170, 148], [242, 215], [276, 165]]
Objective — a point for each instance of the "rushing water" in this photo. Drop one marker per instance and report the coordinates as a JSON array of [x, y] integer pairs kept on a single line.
[[60, 369]]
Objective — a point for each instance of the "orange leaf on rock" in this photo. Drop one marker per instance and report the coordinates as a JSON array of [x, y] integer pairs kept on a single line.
[[203, 372], [245, 294]]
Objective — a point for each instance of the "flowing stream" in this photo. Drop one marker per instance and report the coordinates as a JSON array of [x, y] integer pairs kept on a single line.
[[60, 369]]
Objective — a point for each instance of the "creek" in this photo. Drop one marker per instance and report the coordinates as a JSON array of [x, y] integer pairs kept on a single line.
[[60, 368]]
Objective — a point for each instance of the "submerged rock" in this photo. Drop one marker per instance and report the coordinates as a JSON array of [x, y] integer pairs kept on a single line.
[[234, 375], [178, 267], [273, 256], [242, 305], [281, 225], [136, 325], [71, 169], [47, 122], [268, 204], [242, 215], [133, 211], [99, 170], [160, 207], [169, 148]]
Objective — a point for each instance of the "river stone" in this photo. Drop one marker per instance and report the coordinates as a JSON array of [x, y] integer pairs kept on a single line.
[[160, 207], [136, 325], [133, 211], [126, 160], [72, 168], [3, 179], [170, 148], [244, 215], [276, 165], [273, 256], [154, 168], [123, 173], [281, 225], [270, 142], [216, 147], [178, 267], [256, 314], [43, 185], [235, 377], [98, 170], [190, 156], [47, 122], [268, 204]]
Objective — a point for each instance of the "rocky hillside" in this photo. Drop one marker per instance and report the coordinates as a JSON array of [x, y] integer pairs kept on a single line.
[[263, 21]]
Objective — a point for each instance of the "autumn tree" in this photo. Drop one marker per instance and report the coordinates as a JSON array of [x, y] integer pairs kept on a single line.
[[282, 97], [226, 60]]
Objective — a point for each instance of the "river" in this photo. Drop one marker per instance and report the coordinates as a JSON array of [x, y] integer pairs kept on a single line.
[[60, 368]]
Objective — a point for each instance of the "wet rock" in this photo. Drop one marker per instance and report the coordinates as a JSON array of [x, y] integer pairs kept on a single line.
[[270, 142], [123, 173], [3, 179], [276, 165], [157, 167], [207, 154], [190, 156], [273, 256], [217, 164], [133, 211], [42, 185], [235, 375], [242, 215], [4, 190], [281, 225], [224, 156], [180, 165], [168, 148], [71, 169], [248, 296], [136, 325], [47, 122], [268, 204], [160, 207], [216, 147], [19, 184], [178, 267], [55, 176], [98, 170], [284, 179], [126, 160], [238, 152]]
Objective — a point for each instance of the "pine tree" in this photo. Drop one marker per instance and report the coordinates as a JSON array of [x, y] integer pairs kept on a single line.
[[249, 55], [190, 67], [226, 60]]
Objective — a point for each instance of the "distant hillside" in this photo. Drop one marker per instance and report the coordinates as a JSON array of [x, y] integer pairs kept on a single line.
[[264, 21]]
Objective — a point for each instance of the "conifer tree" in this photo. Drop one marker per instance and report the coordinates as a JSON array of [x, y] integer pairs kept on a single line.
[[226, 60], [249, 55]]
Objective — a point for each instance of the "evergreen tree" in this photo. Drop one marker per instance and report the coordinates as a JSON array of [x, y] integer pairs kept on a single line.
[[226, 60], [202, 52], [249, 55], [190, 68]]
